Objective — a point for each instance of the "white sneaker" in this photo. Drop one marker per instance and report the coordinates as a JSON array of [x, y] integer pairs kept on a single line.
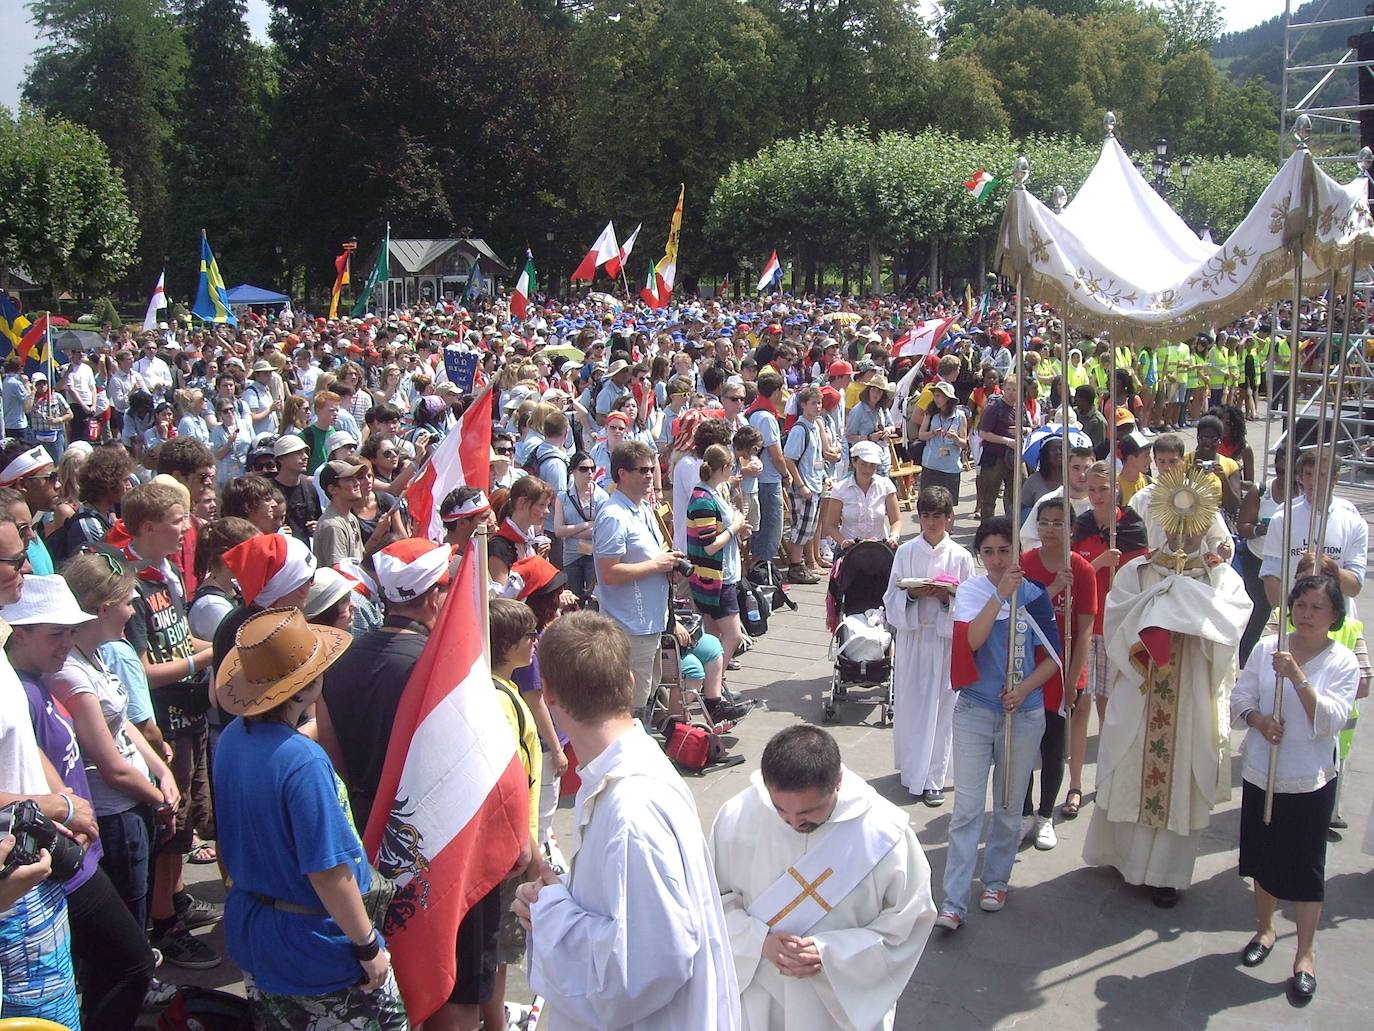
[[1044, 833], [1028, 826]]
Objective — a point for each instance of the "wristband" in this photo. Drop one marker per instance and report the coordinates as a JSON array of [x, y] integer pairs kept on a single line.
[[71, 809], [367, 950], [190, 666]]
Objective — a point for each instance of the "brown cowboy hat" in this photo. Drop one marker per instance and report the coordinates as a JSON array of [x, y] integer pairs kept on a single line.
[[276, 653]]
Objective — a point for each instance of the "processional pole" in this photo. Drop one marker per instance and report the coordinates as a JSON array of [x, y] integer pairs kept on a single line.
[[1019, 176], [1313, 520], [1302, 130], [1060, 196]]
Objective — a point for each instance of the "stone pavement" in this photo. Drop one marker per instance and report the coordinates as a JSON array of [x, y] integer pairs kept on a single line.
[[1075, 947]]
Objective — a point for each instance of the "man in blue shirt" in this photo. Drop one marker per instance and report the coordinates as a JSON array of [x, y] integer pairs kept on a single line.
[[807, 466], [18, 400], [763, 416], [634, 565]]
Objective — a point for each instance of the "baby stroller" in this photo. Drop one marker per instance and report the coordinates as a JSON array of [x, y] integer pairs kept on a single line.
[[862, 645]]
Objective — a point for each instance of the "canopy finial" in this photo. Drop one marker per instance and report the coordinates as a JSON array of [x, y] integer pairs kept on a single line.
[[1109, 124], [1020, 172], [1364, 160], [1302, 130], [1061, 197]]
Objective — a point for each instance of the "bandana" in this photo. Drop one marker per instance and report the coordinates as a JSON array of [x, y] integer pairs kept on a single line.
[[409, 568], [524, 542], [26, 463], [473, 506]]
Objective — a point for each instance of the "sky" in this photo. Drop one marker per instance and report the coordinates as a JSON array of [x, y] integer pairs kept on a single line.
[[18, 40]]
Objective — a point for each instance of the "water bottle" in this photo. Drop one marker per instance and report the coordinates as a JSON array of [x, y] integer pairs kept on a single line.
[[751, 607]]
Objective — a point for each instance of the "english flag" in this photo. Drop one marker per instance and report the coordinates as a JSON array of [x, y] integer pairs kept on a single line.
[[463, 458], [772, 274], [921, 338], [614, 266], [602, 251], [453, 799], [157, 302]]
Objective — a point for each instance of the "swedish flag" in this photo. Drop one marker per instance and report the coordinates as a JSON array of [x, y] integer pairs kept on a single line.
[[12, 322], [212, 301]]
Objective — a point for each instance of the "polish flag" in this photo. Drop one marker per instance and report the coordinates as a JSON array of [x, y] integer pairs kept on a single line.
[[614, 266], [157, 302], [605, 249], [772, 274], [921, 338], [456, 810], [462, 458]]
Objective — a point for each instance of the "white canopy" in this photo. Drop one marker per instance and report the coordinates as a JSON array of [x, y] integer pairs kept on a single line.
[[1120, 258]]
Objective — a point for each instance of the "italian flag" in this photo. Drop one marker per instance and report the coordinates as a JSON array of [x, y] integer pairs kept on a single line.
[[981, 185], [524, 286], [656, 292]]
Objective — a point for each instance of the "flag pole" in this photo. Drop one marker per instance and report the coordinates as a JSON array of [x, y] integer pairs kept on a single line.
[[1067, 642], [483, 595]]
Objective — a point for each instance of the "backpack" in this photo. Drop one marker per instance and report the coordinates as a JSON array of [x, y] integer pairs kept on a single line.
[[754, 608], [692, 746], [201, 1009], [77, 533], [765, 577], [543, 453]]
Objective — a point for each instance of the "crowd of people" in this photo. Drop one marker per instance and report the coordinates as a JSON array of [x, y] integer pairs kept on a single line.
[[214, 593]]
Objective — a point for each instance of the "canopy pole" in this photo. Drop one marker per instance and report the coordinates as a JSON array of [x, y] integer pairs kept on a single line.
[[1017, 467], [1111, 442], [1290, 437], [1269, 360], [1067, 643], [1312, 515]]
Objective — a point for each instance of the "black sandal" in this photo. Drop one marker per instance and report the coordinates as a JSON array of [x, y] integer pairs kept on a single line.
[[1069, 810]]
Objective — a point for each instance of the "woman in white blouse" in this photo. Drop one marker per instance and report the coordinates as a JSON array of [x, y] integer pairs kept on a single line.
[[864, 505], [1287, 857]]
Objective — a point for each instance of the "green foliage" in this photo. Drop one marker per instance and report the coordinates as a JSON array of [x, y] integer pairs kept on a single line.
[[115, 66], [105, 311], [66, 217], [1192, 25], [1222, 190]]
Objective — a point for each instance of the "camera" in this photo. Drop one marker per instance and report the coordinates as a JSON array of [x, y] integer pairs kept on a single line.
[[683, 567], [34, 832]]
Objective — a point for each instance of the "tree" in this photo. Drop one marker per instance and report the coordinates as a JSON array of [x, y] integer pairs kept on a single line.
[[66, 219], [1192, 25], [115, 66], [219, 178], [1222, 190]]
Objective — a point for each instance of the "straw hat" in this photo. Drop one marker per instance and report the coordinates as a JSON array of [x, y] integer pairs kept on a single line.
[[276, 653]]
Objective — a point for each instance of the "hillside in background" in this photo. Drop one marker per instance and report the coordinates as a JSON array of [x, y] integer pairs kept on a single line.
[[1258, 52]]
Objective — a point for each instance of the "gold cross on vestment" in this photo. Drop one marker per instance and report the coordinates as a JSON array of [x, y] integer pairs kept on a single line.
[[808, 891]]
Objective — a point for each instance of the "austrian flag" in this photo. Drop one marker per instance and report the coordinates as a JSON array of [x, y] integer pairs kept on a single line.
[[982, 185]]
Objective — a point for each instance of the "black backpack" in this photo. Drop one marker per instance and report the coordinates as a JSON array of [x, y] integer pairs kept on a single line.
[[542, 454], [754, 608]]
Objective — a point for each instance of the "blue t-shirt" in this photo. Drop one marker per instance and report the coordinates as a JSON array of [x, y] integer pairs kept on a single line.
[[767, 425], [804, 448], [282, 814], [991, 658], [124, 663], [629, 532]]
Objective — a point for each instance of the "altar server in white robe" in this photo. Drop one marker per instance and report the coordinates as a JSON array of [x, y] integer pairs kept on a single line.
[[826, 891], [636, 938], [923, 618]]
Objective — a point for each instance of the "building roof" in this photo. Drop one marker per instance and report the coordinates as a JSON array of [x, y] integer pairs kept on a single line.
[[415, 255]]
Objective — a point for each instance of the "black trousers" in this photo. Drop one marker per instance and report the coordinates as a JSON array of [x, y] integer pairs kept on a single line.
[[114, 962], [1051, 767]]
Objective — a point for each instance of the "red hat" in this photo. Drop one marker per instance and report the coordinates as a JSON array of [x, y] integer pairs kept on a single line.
[[839, 368], [538, 576], [410, 567], [270, 566], [775, 329], [619, 417], [830, 398]]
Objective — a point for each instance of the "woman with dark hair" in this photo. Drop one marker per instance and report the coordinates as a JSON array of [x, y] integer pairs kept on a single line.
[[983, 643], [1286, 856], [252, 497], [381, 519], [1233, 444], [521, 516], [574, 519]]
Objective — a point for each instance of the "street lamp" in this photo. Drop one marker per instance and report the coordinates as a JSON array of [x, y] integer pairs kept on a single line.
[[1163, 169]]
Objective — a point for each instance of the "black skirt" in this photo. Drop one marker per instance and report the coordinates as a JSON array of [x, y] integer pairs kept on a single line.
[[1287, 858]]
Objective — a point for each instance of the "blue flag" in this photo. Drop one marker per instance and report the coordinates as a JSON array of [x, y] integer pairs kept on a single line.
[[212, 300]]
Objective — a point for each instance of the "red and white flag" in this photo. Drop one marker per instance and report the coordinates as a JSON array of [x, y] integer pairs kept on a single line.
[[157, 302], [452, 809], [462, 458], [921, 338], [614, 266], [602, 251]]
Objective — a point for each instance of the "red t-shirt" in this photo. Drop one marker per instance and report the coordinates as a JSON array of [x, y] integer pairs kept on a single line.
[[1090, 548], [1084, 604]]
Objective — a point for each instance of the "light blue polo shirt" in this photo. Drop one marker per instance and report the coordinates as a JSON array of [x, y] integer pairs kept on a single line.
[[629, 532]]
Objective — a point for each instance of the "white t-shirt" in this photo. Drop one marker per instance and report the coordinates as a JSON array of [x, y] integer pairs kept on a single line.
[[81, 382], [686, 475], [863, 516], [1346, 540], [80, 677], [21, 763]]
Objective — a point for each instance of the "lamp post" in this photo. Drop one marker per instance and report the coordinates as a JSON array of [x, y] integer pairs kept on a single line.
[[553, 277], [1163, 169]]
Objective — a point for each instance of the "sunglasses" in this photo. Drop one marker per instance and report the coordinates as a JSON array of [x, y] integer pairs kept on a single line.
[[50, 477], [646, 470], [505, 451], [17, 563], [586, 468]]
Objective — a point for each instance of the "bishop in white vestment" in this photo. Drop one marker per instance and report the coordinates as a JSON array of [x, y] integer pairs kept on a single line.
[[1171, 637], [856, 887]]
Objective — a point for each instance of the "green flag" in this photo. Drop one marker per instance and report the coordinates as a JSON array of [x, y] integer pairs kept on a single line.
[[378, 273]]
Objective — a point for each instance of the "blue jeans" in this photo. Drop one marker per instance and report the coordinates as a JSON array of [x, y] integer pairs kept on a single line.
[[768, 537], [978, 750], [128, 841]]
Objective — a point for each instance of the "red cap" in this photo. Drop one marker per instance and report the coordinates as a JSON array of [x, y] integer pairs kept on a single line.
[[838, 369]]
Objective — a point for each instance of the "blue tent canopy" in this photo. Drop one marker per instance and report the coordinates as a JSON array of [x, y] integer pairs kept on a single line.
[[245, 294]]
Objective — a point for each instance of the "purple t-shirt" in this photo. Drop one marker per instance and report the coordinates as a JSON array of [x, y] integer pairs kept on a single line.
[[53, 729], [527, 679]]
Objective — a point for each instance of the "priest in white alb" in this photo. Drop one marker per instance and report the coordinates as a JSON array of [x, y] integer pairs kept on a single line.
[[1173, 622], [826, 892]]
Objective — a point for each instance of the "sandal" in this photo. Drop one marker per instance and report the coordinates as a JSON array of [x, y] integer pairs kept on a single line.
[[203, 854], [1070, 808]]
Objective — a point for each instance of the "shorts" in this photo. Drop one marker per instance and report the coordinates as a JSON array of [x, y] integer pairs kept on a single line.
[[190, 767], [751, 515], [806, 516], [510, 945], [1099, 669], [478, 939], [729, 604], [1181, 395]]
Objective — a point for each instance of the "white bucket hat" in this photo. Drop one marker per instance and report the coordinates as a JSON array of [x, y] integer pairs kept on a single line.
[[45, 599]]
